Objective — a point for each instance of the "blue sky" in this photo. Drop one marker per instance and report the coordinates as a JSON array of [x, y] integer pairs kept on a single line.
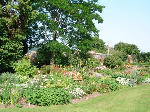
[[126, 21]]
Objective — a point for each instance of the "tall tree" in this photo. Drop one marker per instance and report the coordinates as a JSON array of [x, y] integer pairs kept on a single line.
[[24, 22], [15, 16], [69, 20], [128, 49]]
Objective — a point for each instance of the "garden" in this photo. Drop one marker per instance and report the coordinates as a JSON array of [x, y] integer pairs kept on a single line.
[[69, 78], [51, 57]]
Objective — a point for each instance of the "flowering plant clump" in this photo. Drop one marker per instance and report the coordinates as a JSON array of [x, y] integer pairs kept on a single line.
[[101, 68], [147, 80], [125, 81], [77, 93]]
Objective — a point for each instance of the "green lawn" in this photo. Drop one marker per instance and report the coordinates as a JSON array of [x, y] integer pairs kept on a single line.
[[136, 99]]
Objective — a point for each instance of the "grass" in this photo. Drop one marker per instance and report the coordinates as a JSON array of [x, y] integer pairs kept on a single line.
[[136, 99]]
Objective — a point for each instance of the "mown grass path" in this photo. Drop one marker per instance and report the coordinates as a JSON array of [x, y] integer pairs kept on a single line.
[[136, 99]]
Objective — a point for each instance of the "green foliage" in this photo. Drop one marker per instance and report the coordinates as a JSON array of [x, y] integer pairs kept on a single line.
[[112, 61], [45, 69], [92, 44], [121, 101], [75, 59], [98, 45], [92, 63], [55, 79], [48, 96], [24, 68], [9, 94], [18, 105], [70, 21], [67, 20], [5, 94], [144, 57], [10, 51], [91, 84], [129, 79], [107, 71], [128, 49], [120, 54], [14, 22], [11, 78], [108, 85], [116, 75], [137, 76], [53, 51], [58, 80]]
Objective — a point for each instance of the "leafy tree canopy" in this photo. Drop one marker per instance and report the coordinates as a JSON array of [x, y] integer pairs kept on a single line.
[[144, 56], [54, 52], [128, 49], [68, 20], [94, 44], [24, 22], [15, 17]]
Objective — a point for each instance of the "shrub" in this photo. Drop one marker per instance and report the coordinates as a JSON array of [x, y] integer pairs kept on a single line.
[[108, 85], [75, 60], [10, 51], [128, 49], [120, 54], [48, 96], [90, 44], [112, 61], [90, 84], [94, 43], [144, 57], [24, 68], [90, 88], [92, 63], [52, 51]]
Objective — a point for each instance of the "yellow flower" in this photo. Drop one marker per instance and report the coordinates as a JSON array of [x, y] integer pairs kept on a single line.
[[103, 78], [71, 66]]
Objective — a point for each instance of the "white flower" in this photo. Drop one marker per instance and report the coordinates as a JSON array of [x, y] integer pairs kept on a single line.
[[22, 85], [44, 76], [45, 80], [124, 81], [147, 80], [77, 93], [59, 80]]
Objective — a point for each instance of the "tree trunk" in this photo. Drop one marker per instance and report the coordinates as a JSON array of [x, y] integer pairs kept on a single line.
[[25, 47], [53, 54], [54, 35]]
